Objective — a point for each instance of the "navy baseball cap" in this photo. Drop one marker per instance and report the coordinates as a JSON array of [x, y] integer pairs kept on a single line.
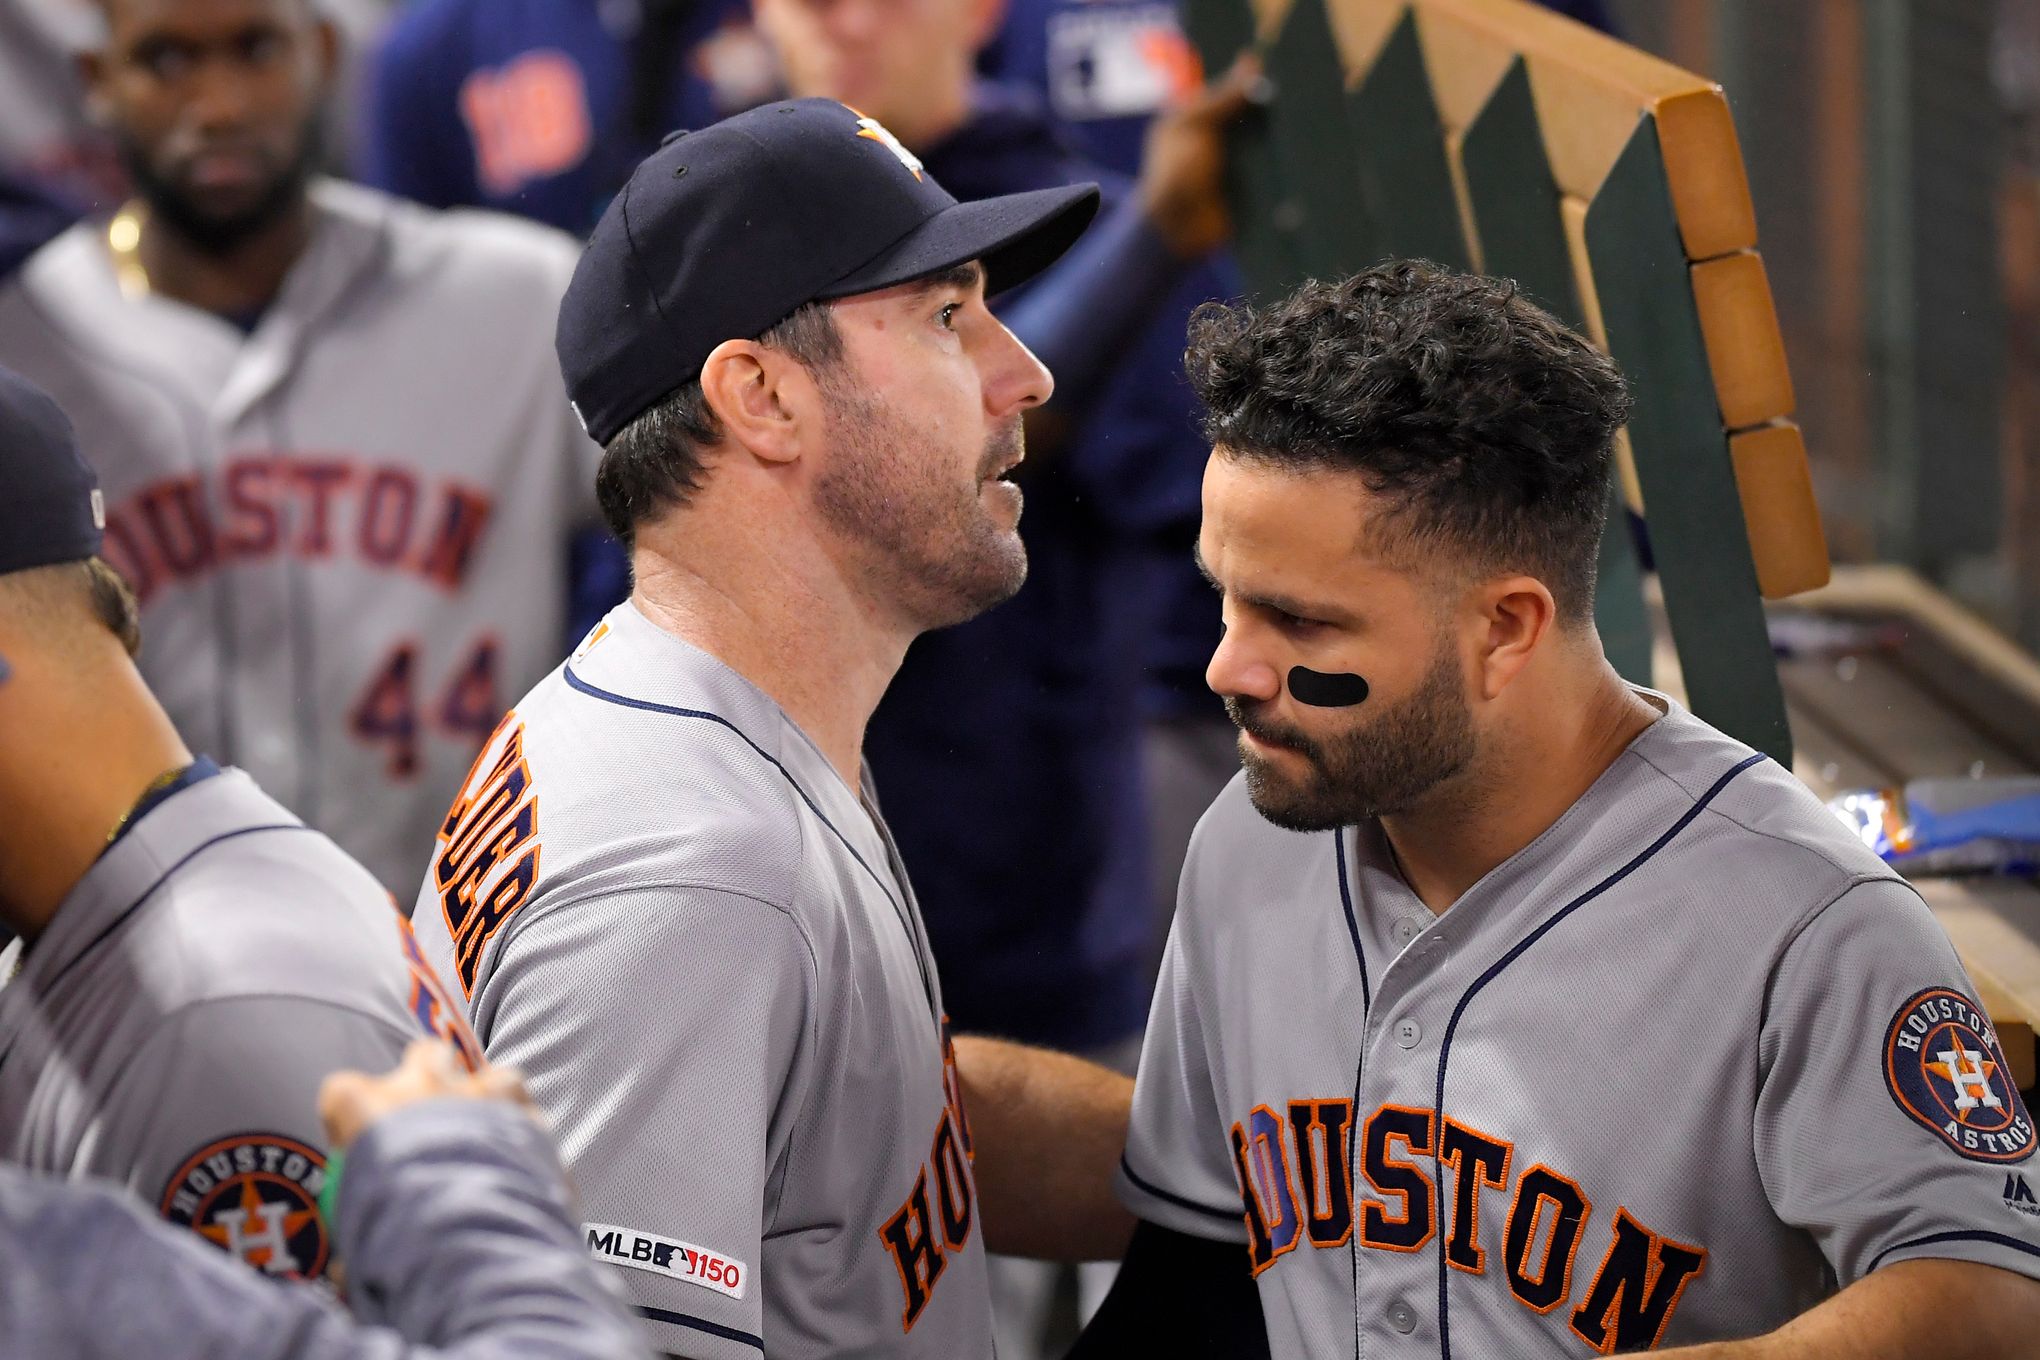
[[51, 510], [722, 234]]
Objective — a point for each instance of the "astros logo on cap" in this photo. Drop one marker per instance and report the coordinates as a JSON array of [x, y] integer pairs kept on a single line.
[[1943, 1066], [877, 132]]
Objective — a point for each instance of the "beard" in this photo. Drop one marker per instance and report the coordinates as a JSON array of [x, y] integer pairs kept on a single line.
[[933, 550], [1377, 768], [212, 231]]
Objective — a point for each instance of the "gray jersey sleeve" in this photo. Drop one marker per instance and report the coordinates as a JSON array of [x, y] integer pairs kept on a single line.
[[661, 1029], [1886, 1124], [214, 1121], [1177, 1170], [455, 1225]]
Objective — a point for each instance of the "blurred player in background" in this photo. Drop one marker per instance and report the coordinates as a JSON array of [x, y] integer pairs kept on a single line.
[[544, 107], [187, 960], [340, 470]]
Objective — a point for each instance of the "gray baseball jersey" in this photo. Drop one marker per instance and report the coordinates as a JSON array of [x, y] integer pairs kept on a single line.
[[348, 528], [699, 945], [170, 1028], [1674, 1072]]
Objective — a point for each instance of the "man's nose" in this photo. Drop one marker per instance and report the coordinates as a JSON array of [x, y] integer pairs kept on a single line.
[[1014, 379], [1236, 669]]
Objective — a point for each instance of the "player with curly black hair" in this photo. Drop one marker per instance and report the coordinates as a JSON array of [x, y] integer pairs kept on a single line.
[[1509, 1008]]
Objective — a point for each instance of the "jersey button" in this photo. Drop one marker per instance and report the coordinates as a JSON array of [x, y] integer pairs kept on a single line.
[[1408, 1033], [1402, 1317], [1405, 930]]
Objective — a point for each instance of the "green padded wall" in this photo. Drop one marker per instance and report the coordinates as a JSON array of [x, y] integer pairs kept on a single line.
[[1690, 500], [1401, 154]]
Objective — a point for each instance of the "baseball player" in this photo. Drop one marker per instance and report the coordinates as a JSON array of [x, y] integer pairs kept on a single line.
[[187, 959], [1511, 1010], [339, 469], [454, 1224], [666, 888]]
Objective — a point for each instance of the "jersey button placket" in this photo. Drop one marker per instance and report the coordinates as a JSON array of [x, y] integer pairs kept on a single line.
[[1402, 1317], [1408, 1033]]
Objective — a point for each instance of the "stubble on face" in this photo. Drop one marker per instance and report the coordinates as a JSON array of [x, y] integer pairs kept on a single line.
[[930, 544], [1383, 765], [214, 231]]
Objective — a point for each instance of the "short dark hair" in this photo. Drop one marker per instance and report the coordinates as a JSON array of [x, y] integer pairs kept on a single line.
[[1487, 425], [655, 462], [51, 595]]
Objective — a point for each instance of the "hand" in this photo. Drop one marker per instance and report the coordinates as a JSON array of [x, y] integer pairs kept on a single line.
[[350, 1101], [1182, 169]]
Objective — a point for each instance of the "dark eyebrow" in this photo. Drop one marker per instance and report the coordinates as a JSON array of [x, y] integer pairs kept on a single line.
[[958, 277], [1283, 604]]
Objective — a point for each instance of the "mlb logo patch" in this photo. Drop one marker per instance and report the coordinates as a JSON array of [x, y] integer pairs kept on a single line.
[[1943, 1066]]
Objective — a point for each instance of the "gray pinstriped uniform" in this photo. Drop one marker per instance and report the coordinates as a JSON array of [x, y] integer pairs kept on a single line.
[[1674, 1072], [698, 944]]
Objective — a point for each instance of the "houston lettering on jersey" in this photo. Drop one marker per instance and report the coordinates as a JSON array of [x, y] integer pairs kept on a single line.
[[927, 1226], [1296, 1172], [486, 860], [310, 506]]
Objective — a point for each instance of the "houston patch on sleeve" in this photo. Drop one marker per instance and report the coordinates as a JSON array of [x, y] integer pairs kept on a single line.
[[256, 1197], [1943, 1066]]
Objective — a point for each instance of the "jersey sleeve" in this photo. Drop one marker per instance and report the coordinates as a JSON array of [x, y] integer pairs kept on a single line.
[[1887, 1124], [1177, 1171], [661, 1030], [214, 1121]]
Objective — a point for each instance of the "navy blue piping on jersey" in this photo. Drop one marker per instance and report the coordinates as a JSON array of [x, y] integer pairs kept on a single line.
[[1359, 1064], [701, 1325], [135, 906], [1965, 1235], [596, 692], [1143, 1183], [1352, 922], [1521, 946], [673, 711]]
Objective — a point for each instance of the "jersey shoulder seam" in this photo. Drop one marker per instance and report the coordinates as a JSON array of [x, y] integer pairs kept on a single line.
[[1715, 809], [184, 1011]]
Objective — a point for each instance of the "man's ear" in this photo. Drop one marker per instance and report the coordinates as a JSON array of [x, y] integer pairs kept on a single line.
[[1517, 612], [764, 400], [986, 17], [91, 65], [330, 45]]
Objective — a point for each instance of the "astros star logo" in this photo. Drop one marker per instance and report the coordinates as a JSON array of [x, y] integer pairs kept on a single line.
[[1969, 1072], [877, 132], [258, 1231], [255, 1196]]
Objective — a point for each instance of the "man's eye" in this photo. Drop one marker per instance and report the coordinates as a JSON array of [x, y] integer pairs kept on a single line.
[[258, 49], [165, 61], [948, 313]]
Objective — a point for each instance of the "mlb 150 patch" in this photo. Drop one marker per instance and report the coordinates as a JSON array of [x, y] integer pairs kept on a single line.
[[667, 1256], [1943, 1066], [256, 1197]]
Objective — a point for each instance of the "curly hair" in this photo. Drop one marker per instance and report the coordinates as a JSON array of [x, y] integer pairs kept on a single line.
[[1485, 425]]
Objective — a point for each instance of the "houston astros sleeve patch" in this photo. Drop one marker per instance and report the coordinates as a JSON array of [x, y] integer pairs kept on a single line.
[[256, 1197], [1943, 1066]]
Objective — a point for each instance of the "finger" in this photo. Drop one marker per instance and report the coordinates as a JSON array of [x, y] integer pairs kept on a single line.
[[339, 1096]]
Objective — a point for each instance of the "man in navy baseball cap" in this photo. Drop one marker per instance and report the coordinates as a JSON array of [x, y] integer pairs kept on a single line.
[[723, 233], [709, 942], [52, 511]]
